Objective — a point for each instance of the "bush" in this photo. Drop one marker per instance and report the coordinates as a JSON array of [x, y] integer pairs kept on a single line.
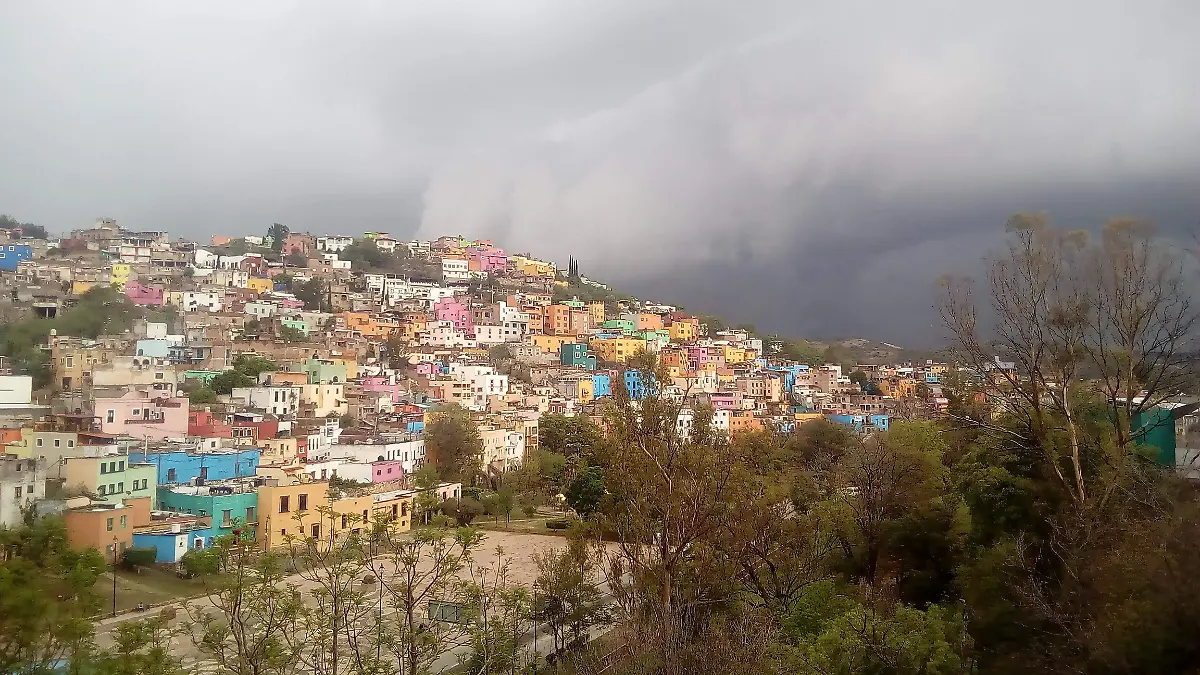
[[559, 524], [139, 557]]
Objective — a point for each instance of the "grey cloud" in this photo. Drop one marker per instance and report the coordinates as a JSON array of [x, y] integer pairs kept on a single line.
[[803, 165]]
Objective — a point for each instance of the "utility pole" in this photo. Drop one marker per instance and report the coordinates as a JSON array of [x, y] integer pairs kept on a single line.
[[114, 573]]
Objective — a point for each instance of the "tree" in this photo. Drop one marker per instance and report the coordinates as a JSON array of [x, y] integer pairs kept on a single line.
[[28, 230], [670, 501], [278, 234], [296, 259], [423, 568], [506, 501], [46, 596], [586, 491], [567, 593], [576, 435], [453, 445], [224, 383], [313, 293]]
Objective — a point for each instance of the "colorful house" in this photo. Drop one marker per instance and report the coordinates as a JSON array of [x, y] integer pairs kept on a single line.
[[11, 256]]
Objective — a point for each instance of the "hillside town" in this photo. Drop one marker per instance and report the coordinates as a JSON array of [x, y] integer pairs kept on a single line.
[[140, 438], [248, 431]]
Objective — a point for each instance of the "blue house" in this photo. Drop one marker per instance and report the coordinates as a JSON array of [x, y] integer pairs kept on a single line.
[[601, 385], [637, 388], [11, 255], [180, 466], [171, 545], [160, 349], [861, 423]]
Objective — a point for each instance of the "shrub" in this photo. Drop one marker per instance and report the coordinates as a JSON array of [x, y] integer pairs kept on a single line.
[[559, 524], [139, 557]]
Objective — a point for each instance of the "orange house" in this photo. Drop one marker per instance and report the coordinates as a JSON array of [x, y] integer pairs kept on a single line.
[[648, 321], [743, 421], [107, 528]]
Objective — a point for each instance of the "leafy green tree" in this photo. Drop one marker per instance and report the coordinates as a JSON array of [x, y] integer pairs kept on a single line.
[[224, 383], [566, 591], [46, 597], [253, 366], [586, 491], [296, 259], [278, 234], [453, 445], [834, 633], [313, 293], [506, 501], [564, 435]]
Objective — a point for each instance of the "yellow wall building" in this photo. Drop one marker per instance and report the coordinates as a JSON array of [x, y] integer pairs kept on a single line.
[[119, 275], [550, 343], [616, 350], [259, 285]]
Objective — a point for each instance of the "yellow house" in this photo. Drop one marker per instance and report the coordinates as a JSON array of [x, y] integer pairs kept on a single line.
[[550, 343], [586, 390], [119, 275], [616, 350], [279, 450], [81, 287], [682, 331], [259, 285], [737, 354], [290, 512], [596, 309]]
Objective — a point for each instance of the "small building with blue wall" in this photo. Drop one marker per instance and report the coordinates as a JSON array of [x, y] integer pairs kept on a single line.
[[601, 385], [177, 467], [159, 349], [171, 545], [636, 386], [11, 255], [861, 423]]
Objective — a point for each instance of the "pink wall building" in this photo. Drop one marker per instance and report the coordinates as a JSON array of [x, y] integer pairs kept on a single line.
[[382, 383], [139, 415], [381, 472], [140, 294], [455, 311], [490, 259], [429, 368]]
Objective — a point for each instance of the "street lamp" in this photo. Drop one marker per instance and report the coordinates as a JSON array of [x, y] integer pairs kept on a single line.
[[114, 604]]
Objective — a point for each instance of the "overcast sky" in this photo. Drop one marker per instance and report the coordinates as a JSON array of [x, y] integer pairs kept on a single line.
[[808, 166]]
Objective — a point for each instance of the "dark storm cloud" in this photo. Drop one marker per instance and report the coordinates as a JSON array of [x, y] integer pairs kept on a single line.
[[806, 166]]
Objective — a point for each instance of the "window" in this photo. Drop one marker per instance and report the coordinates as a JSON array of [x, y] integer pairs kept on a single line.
[[158, 376], [170, 475], [345, 520], [109, 524], [121, 486], [250, 514], [100, 490], [58, 442], [316, 530], [112, 488], [17, 492], [39, 442], [122, 466], [124, 522], [112, 416], [395, 512], [284, 507], [70, 443], [226, 517], [303, 502]]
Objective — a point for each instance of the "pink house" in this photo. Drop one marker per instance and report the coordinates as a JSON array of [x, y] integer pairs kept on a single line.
[[490, 259], [140, 294], [381, 383], [454, 311], [139, 415], [429, 368], [291, 303], [381, 472]]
